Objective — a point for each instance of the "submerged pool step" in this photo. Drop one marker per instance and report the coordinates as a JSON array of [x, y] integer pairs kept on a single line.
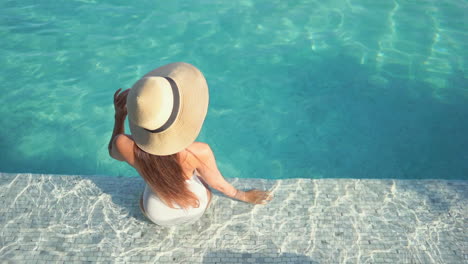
[[97, 218]]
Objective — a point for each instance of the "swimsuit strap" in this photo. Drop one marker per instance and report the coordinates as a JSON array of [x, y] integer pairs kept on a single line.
[[193, 177]]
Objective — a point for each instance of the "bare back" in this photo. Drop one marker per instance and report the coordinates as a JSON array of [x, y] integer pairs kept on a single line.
[[198, 156], [189, 160]]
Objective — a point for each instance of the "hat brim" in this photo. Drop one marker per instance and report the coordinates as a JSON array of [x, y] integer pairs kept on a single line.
[[194, 99]]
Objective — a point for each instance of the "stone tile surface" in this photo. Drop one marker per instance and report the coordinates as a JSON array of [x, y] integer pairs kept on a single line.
[[96, 219]]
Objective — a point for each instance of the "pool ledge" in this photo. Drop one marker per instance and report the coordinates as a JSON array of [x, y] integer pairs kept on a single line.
[[76, 219]]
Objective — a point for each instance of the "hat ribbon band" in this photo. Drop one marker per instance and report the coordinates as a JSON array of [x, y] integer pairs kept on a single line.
[[175, 108]]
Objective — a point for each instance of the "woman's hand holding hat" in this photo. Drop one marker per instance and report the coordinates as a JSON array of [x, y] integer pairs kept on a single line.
[[120, 101]]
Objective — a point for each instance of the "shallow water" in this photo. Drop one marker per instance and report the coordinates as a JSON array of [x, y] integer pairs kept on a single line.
[[97, 219], [360, 89]]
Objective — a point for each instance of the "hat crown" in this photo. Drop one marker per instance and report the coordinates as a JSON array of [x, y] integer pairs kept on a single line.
[[150, 102]]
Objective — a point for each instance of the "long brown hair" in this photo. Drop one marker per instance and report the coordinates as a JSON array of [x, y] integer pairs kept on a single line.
[[165, 176]]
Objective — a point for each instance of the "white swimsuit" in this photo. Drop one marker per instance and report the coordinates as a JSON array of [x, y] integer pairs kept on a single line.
[[161, 214]]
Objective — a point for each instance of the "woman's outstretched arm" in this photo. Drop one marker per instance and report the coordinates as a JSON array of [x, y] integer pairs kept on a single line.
[[213, 177]]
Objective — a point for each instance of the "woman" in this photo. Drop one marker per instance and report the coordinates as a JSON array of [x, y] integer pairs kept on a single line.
[[166, 109]]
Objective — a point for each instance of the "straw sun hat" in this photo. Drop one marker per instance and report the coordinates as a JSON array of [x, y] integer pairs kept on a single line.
[[166, 108]]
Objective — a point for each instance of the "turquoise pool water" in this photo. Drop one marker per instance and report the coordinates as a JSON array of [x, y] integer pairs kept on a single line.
[[360, 89]]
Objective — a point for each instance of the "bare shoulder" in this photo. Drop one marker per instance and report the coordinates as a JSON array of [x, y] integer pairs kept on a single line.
[[124, 145], [204, 160], [124, 142], [201, 150]]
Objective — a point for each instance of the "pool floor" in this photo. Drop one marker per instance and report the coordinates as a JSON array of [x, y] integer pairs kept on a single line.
[[76, 219]]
